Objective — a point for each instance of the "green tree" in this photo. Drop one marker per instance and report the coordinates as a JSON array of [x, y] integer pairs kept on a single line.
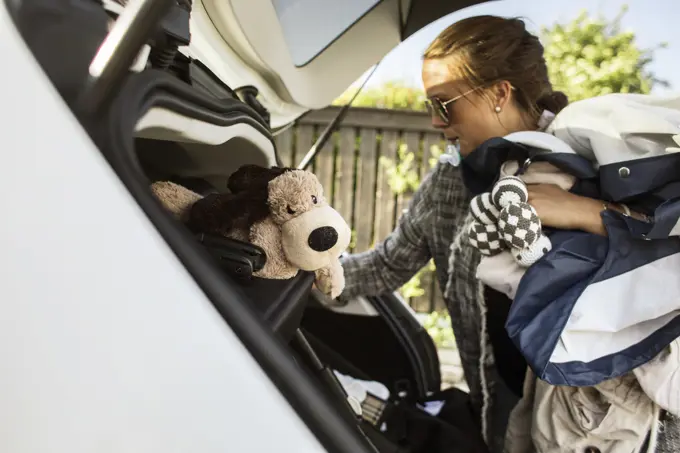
[[438, 326], [591, 56], [402, 176], [391, 95]]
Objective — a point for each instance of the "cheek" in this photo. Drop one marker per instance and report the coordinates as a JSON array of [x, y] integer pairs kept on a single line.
[[477, 127]]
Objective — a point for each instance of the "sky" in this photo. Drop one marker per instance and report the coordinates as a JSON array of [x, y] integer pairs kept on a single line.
[[653, 21]]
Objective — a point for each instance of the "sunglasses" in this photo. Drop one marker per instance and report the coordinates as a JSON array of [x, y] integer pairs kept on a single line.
[[440, 108]]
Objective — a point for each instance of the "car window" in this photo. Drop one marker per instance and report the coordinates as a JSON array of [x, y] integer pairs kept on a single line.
[[309, 26]]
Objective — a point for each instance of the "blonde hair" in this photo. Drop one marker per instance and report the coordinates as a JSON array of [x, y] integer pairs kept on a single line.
[[491, 49]]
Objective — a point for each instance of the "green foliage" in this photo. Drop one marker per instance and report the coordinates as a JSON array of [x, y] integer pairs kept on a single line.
[[435, 152], [391, 95], [413, 287], [438, 326], [353, 239], [402, 176], [590, 57]]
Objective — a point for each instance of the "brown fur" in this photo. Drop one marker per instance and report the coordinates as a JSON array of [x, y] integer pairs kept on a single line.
[[240, 209], [260, 202], [267, 235], [295, 191], [221, 213], [249, 177], [256, 194], [175, 198], [254, 210], [329, 279]]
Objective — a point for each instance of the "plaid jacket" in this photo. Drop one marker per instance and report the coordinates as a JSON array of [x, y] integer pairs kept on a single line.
[[432, 229]]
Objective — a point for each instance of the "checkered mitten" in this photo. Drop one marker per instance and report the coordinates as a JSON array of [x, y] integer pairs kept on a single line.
[[528, 256], [484, 210], [485, 238], [509, 189], [518, 223]]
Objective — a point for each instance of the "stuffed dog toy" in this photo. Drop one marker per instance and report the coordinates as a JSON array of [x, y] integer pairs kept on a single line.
[[281, 210]]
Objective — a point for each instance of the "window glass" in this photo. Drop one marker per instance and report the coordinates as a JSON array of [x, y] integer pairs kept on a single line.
[[309, 26]]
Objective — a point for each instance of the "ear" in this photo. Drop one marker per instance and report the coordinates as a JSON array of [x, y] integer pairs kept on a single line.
[[257, 207], [214, 214], [253, 177], [502, 94], [222, 213]]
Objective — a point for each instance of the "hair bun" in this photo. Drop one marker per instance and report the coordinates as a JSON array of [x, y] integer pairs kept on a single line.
[[554, 101]]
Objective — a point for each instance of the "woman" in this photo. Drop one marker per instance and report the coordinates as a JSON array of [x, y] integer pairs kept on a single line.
[[485, 77]]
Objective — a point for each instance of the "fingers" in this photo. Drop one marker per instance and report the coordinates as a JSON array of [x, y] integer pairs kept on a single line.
[[540, 187], [544, 190], [534, 191]]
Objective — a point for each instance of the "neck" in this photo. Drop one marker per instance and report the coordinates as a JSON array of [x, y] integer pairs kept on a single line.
[[518, 122]]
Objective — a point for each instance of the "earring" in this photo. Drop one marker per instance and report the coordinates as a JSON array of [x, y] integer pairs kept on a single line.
[[498, 109]]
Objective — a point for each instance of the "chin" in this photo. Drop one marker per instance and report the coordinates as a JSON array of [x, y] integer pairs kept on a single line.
[[468, 148], [465, 151]]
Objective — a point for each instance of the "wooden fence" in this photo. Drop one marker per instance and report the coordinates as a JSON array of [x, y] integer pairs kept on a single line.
[[353, 168]]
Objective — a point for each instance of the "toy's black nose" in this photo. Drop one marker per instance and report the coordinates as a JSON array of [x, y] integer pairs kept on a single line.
[[323, 238]]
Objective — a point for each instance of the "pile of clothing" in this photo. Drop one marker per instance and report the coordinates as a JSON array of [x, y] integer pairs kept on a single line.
[[597, 317]]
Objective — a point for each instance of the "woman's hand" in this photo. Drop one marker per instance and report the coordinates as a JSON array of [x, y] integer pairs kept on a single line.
[[564, 210]]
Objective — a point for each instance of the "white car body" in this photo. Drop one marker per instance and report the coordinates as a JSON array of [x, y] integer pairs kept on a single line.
[[88, 363], [254, 42]]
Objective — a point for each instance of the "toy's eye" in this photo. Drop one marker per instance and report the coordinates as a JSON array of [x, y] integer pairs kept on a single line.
[[290, 211], [314, 200]]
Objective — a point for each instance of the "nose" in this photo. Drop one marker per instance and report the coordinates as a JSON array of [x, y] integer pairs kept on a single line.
[[323, 238], [437, 122]]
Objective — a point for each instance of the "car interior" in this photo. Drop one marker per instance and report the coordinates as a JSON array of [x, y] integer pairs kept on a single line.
[[172, 119]]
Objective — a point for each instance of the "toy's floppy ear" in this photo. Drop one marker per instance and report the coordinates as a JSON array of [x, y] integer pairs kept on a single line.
[[246, 204], [214, 214], [223, 213], [253, 177]]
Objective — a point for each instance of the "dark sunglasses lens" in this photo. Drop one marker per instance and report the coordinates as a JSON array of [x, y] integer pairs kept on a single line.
[[434, 106], [430, 107], [443, 113]]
